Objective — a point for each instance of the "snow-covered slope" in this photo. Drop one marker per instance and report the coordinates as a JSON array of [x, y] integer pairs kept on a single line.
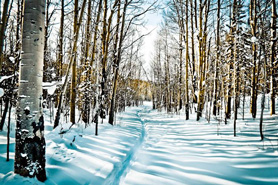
[[150, 147]]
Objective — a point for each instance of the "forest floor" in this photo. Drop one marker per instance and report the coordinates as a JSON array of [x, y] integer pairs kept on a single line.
[[151, 147]]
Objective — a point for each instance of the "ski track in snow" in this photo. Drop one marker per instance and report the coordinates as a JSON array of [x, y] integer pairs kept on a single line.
[[115, 176], [148, 147]]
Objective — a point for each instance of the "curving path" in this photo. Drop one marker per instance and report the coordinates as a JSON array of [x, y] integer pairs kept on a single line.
[[121, 169], [175, 151]]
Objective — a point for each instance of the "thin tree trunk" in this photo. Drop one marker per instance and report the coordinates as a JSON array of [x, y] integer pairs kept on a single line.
[[3, 27], [116, 62], [61, 43], [186, 65], [95, 38], [228, 109], [180, 68], [253, 21], [273, 82], [236, 63], [3, 118], [244, 96], [201, 91], [193, 54], [74, 72], [90, 74], [46, 53], [103, 95], [72, 58], [8, 130], [215, 97], [263, 97], [60, 55], [85, 111]]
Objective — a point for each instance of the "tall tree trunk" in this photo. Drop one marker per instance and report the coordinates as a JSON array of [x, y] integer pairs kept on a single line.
[[193, 53], [253, 23], [74, 72], [179, 6], [9, 130], [181, 61], [85, 110], [201, 63], [60, 55], [3, 27], [104, 95], [46, 52], [235, 61], [215, 95], [264, 92], [95, 38], [90, 74], [61, 43], [116, 61], [202, 53], [228, 108], [167, 77], [273, 82], [186, 65], [30, 142]]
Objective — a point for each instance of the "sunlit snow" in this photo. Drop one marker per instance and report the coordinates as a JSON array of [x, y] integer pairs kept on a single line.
[[149, 147]]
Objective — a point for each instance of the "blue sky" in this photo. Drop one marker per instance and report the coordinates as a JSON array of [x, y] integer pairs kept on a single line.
[[153, 20]]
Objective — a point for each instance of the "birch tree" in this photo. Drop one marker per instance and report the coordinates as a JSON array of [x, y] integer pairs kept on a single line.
[[30, 142]]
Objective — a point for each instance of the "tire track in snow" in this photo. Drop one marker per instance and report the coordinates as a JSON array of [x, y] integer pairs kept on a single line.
[[120, 170]]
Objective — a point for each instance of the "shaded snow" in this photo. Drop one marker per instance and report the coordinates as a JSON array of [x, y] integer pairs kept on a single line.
[[1, 92], [150, 147], [187, 152]]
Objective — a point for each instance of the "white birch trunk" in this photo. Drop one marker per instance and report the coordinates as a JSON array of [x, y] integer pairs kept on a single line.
[[30, 142]]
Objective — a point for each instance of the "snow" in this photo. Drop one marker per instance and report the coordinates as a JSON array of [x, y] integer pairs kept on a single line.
[[151, 147], [254, 40], [12, 59], [1, 92], [50, 86], [2, 78], [23, 96], [23, 155], [27, 108]]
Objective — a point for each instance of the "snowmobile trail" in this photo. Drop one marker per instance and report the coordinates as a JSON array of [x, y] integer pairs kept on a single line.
[[121, 169]]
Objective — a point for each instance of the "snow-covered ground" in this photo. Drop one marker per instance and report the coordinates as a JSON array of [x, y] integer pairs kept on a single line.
[[151, 147]]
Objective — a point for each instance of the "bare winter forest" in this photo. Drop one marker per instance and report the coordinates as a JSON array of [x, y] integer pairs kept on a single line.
[[81, 102]]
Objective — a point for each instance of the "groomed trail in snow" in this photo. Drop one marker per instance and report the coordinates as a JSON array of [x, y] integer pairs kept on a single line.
[[148, 147]]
